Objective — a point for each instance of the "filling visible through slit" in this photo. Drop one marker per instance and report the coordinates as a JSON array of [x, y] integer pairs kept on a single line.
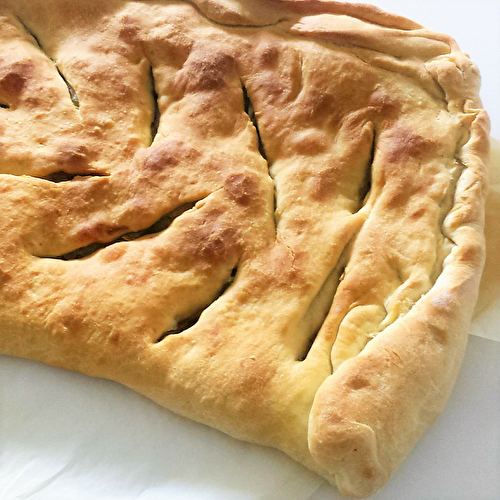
[[4, 106], [71, 90], [250, 111], [322, 303], [189, 321], [155, 123], [160, 225], [62, 176], [365, 189]]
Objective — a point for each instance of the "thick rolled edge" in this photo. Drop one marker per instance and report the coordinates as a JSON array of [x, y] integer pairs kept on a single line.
[[368, 415], [267, 12]]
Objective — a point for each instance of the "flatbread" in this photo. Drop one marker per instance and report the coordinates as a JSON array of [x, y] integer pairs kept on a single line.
[[265, 216]]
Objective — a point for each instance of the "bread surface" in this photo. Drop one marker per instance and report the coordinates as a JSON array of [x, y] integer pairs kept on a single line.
[[266, 216]]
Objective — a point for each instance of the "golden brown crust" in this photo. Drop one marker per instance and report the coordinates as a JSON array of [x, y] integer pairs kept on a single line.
[[266, 216]]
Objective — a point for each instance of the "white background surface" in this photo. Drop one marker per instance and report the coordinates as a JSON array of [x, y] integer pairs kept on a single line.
[[64, 436]]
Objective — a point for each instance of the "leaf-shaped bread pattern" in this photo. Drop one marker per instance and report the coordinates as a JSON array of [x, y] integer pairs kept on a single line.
[[265, 216]]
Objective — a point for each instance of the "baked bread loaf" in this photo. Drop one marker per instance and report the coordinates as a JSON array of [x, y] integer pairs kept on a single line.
[[266, 216]]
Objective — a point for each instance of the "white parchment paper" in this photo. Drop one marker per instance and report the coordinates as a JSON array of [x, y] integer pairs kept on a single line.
[[487, 316]]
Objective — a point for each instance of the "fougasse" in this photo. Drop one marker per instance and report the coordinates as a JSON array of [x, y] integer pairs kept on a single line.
[[265, 216]]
